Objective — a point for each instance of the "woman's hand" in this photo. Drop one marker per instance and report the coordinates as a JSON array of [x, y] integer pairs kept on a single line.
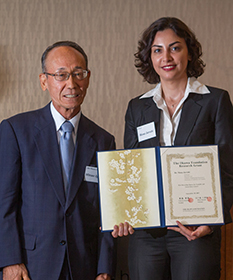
[[191, 232], [122, 230]]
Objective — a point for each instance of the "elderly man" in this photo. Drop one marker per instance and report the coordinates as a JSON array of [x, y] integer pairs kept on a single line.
[[49, 206]]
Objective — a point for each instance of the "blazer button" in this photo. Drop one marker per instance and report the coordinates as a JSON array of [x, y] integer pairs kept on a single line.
[[62, 242]]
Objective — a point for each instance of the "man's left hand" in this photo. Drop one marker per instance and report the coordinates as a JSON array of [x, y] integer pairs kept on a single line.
[[191, 232], [103, 276], [123, 229]]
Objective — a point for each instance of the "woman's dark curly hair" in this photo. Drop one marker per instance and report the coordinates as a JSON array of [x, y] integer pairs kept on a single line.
[[143, 61]]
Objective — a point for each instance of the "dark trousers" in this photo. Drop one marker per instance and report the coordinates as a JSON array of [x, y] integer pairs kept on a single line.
[[65, 272], [164, 255]]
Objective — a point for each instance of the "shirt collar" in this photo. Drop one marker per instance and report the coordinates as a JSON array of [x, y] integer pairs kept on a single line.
[[59, 119], [193, 85]]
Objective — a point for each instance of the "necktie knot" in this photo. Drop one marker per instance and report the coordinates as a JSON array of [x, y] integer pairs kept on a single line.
[[67, 127]]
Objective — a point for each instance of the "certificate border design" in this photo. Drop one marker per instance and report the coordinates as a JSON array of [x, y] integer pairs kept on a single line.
[[198, 155]]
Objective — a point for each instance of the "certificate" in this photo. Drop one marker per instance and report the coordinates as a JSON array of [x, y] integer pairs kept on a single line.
[[155, 187], [128, 188], [191, 185]]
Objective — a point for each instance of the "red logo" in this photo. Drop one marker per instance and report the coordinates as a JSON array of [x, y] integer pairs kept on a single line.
[[190, 199]]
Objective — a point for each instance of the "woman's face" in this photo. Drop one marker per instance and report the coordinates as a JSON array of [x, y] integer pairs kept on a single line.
[[169, 55]]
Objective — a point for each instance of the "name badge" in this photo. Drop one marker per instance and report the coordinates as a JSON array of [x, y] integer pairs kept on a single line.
[[146, 131], [91, 174]]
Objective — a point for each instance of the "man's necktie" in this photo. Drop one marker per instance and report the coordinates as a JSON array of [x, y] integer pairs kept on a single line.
[[67, 149]]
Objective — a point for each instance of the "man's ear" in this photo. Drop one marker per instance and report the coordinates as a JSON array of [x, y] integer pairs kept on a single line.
[[43, 81]]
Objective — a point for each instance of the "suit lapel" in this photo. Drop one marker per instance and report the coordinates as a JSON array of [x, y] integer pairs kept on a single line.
[[151, 113], [190, 112], [84, 151], [46, 140]]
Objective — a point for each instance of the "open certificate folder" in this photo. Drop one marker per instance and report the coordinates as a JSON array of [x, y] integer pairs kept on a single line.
[[155, 187]]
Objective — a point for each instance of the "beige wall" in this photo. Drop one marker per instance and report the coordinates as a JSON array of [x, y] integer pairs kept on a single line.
[[108, 30]]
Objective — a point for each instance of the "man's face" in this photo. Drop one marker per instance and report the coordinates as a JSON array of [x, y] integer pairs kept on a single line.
[[67, 96]]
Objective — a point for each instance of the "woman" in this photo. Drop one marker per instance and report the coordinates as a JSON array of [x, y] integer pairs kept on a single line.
[[185, 112]]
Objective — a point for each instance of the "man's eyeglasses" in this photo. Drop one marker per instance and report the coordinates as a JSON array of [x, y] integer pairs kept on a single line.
[[60, 76]]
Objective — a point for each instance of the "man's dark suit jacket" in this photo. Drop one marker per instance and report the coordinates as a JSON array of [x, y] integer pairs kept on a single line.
[[205, 119], [38, 224]]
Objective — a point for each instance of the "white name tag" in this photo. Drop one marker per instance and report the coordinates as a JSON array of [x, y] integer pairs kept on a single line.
[[91, 174], [146, 131]]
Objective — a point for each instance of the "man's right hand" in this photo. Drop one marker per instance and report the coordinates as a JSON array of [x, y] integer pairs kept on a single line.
[[15, 272]]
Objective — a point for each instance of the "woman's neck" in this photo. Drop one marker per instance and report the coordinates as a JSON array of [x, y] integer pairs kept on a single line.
[[173, 89], [172, 93]]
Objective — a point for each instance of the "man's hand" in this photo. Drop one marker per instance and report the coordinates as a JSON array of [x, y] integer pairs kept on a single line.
[[103, 276], [191, 232], [15, 272], [122, 230]]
